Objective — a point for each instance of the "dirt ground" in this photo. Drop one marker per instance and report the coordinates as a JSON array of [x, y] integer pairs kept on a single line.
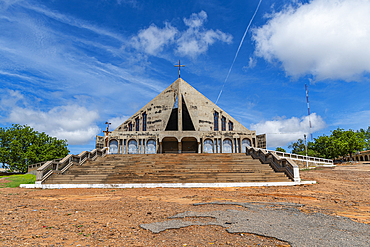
[[111, 217]]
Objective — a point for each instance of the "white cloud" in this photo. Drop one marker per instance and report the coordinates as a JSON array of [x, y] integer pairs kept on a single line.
[[196, 40], [326, 38], [252, 63], [69, 20], [71, 122], [117, 121], [281, 131], [191, 42], [196, 20], [10, 98], [153, 39]]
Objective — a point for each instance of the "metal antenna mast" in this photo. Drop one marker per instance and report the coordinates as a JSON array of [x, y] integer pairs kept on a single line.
[[308, 107]]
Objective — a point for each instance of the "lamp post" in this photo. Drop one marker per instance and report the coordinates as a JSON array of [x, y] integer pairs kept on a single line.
[[305, 145], [107, 133]]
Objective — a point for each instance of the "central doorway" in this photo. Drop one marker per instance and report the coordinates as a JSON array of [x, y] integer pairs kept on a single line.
[[189, 145], [170, 145]]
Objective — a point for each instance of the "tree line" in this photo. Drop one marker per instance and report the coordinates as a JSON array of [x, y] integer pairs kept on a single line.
[[20, 146], [339, 143]]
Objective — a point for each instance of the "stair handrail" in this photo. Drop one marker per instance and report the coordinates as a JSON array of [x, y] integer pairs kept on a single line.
[[303, 158], [52, 166], [278, 163]]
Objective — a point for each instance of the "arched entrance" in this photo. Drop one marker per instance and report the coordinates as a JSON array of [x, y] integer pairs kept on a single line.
[[151, 147], [170, 145], [113, 147], [208, 146], [132, 147], [189, 145], [227, 146], [361, 158], [366, 158], [245, 143]]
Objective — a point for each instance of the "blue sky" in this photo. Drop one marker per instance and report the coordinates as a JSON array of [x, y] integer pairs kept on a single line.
[[67, 67]]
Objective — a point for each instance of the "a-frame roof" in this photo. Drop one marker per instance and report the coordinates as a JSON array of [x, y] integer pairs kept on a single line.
[[200, 109]]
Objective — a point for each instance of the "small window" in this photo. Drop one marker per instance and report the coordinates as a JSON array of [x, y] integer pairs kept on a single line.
[[231, 126], [215, 118], [137, 124], [223, 124], [144, 121], [130, 127]]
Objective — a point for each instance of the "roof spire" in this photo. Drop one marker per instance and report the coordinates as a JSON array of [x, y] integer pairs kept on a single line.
[[179, 67]]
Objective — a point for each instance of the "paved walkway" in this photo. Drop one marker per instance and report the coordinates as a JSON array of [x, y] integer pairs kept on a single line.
[[283, 221]]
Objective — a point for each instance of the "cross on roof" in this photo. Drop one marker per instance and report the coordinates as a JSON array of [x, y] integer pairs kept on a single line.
[[179, 67]]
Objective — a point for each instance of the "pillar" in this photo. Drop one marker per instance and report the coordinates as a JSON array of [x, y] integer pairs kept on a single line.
[[179, 147], [199, 147]]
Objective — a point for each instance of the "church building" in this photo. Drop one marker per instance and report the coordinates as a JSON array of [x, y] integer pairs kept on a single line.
[[180, 120]]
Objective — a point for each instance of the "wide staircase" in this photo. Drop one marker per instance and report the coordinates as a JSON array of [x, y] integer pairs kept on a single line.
[[169, 168]]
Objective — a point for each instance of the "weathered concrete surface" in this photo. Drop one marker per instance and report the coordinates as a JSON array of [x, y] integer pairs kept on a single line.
[[283, 221], [192, 118]]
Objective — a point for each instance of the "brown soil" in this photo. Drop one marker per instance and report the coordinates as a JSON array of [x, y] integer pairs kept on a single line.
[[111, 217], [4, 181]]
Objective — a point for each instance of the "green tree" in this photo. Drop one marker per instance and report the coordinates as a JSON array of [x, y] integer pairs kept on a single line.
[[347, 142], [280, 149], [21, 146], [324, 145], [297, 147], [366, 134]]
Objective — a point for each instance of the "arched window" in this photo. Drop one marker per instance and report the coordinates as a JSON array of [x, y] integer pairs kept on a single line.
[[227, 146], [144, 121], [137, 124], [208, 146], [132, 147], [215, 121], [231, 126], [245, 143], [113, 147], [151, 147], [223, 124]]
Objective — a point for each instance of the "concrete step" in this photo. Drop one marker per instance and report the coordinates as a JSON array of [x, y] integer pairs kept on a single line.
[[170, 168]]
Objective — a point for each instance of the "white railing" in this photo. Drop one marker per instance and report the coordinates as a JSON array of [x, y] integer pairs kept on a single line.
[[61, 166], [303, 158], [279, 164]]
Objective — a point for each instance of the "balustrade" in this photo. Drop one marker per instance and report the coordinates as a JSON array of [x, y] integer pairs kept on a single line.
[[62, 165]]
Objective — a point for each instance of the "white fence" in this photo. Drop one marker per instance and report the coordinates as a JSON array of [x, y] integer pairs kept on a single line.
[[303, 158]]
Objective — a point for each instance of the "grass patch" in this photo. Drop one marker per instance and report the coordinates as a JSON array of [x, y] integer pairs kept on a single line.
[[16, 180]]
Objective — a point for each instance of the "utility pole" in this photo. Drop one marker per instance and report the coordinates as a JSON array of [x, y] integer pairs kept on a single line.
[[305, 145], [308, 108]]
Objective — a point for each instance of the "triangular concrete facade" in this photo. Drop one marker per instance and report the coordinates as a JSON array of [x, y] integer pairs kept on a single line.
[[194, 125], [200, 109]]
